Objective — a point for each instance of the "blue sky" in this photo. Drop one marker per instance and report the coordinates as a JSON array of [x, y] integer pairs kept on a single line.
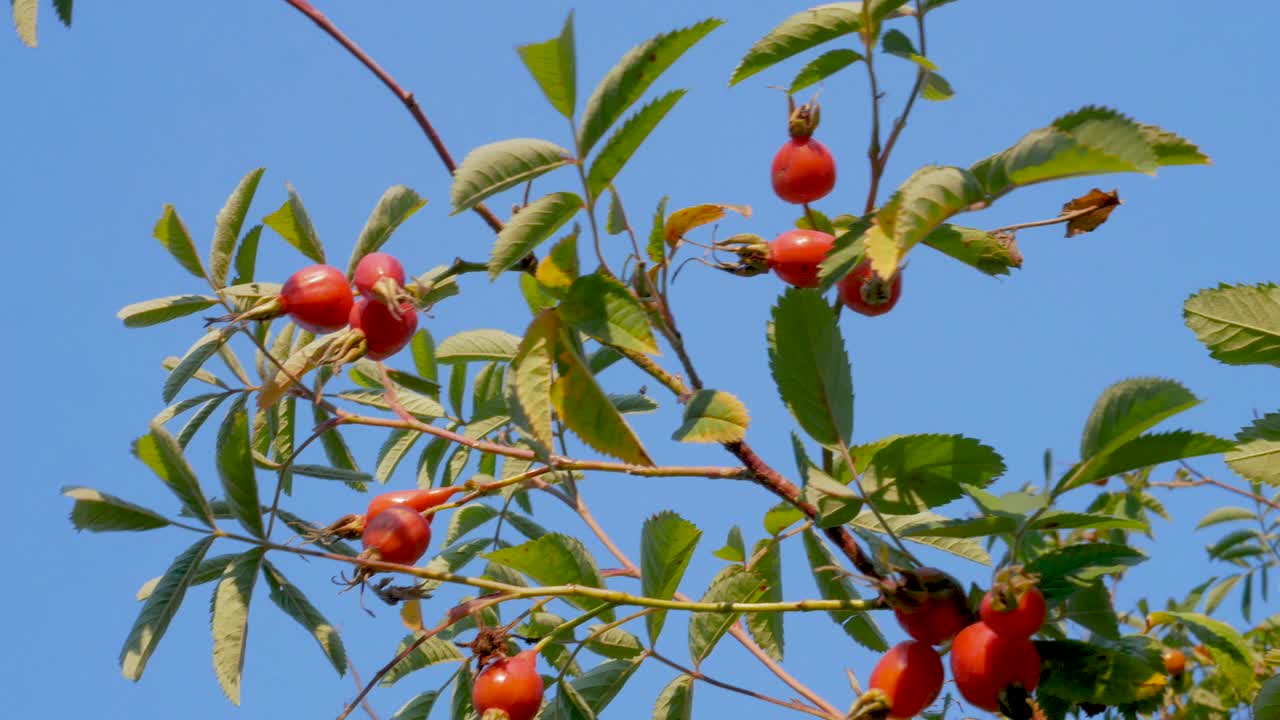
[[135, 108]]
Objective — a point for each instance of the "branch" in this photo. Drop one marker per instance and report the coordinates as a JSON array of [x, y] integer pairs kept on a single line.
[[405, 97], [697, 675]]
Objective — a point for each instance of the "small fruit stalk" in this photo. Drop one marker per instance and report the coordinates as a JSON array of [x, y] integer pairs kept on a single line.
[[803, 169], [930, 605]]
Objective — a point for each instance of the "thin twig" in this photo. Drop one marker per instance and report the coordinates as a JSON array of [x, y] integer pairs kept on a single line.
[[405, 97], [1064, 217], [698, 675], [364, 703], [901, 122]]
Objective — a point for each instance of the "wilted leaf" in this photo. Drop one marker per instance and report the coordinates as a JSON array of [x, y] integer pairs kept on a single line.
[[1095, 207]]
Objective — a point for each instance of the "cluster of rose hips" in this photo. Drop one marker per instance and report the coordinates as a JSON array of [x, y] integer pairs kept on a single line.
[[318, 298], [992, 660], [804, 171]]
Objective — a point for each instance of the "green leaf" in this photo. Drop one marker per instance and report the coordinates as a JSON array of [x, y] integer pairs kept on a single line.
[[896, 42], [567, 704], [210, 569], [810, 366], [454, 558], [1098, 672], [1148, 451], [614, 643], [99, 512], [713, 416], [804, 30], [159, 609], [1089, 141], [633, 403], [1129, 408], [63, 9], [396, 205], [916, 472], [528, 389], [293, 224], [1229, 650], [768, 629], [901, 524], [478, 345], [978, 249], [734, 550], [418, 707], [1067, 569], [159, 451], [557, 271], [192, 361], [603, 308], [823, 67], [849, 250], [462, 705], [834, 584], [632, 76], [350, 477], [235, 467], [1256, 456], [601, 684], [24, 19], [1171, 149], [1092, 609], [667, 543], [154, 312], [921, 204], [433, 651], [231, 620], [675, 702], [1240, 324], [1266, 706], [1225, 514], [1219, 592], [556, 559], [586, 410], [731, 585], [624, 143], [554, 67], [535, 222], [246, 259], [172, 234], [936, 88], [397, 445], [657, 248], [227, 227], [198, 420], [490, 169], [468, 518]]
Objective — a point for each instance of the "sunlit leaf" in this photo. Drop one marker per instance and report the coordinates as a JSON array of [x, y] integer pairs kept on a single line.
[[396, 205], [713, 416], [154, 312], [624, 143], [731, 585], [294, 225], [556, 559], [1257, 453], [231, 620], [173, 235], [833, 584], [603, 308], [159, 609], [228, 225], [811, 367], [235, 467], [99, 512], [823, 67], [1240, 324], [554, 66], [490, 169], [535, 222], [667, 543], [161, 452]]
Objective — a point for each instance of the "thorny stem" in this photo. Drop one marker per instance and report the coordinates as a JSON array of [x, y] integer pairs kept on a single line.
[[698, 675], [405, 97]]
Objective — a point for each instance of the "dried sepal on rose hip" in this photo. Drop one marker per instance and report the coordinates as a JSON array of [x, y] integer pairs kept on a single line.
[[1014, 606], [803, 169], [867, 293], [386, 330], [930, 605]]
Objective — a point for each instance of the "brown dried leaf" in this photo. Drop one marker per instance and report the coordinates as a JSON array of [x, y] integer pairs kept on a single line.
[[1098, 205]]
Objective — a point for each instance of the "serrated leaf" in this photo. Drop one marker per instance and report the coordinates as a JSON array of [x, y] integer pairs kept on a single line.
[[235, 467], [586, 410], [228, 225], [397, 445], [99, 512], [461, 703], [657, 247], [477, 345], [927, 198], [490, 169], [154, 312], [1089, 141], [1129, 408], [192, 360], [433, 651], [1066, 569], [556, 559], [173, 235], [916, 472], [293, 224], [667, 543], [535, 222], [528, 389], [823, 67], [159, 451], [557, 271], [1229, 650], [210, 569], [768, 629], [633, 403], [454, 558], [978, 249], [632, 76], [1256, 456], [554, 66], [231, 620], [1091, 608], [810, 366], [159, 609], [1171, 149], [686, 219], [624, 143], [63, 9], [848, 250], [246, 260], [833, 584], [396, 205], [1147, 451], [468, 518], [963, 547], [604, 309], [675, 702], [614, 643], [567, 704], [801, 31], [731, 585], [1240, 324], [418, 707], [713, 416], [601, 684], [1097, 672]]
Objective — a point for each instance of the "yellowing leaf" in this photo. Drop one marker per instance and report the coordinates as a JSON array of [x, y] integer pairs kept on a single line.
[[686, 219]]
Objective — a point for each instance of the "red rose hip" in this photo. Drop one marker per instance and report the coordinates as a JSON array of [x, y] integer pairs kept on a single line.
[[386, 332], [512, 685], [418, 500], [317, 298], [985, 664], [374, 267], [795, 255], [1016, 615], [803, 171], [399, 534], [865, 292], [910, 675]]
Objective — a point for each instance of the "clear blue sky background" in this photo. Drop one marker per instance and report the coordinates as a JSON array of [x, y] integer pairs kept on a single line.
[[136, 107]]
